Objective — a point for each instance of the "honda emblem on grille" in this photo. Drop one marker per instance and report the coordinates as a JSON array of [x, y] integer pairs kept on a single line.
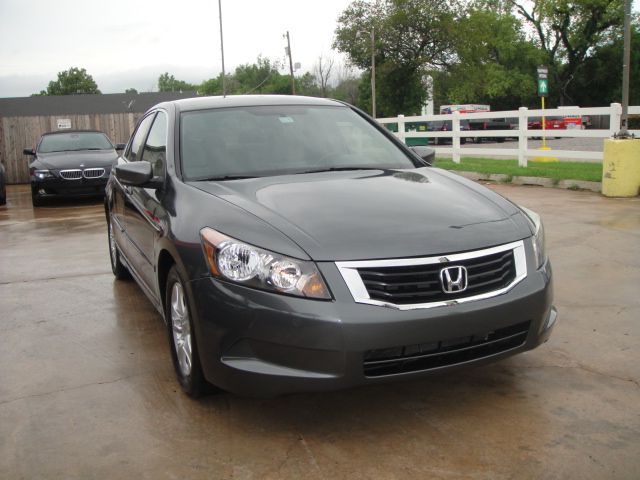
[[453, 279]]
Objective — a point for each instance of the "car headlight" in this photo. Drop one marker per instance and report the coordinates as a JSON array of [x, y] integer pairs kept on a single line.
[[42, 174], [255, 267], [538, 236]]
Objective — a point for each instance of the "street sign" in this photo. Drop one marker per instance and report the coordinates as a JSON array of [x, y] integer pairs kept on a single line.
[[543, 87]]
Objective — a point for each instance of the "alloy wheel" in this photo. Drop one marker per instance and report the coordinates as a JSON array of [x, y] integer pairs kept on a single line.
[[181, 329], [112, 245]]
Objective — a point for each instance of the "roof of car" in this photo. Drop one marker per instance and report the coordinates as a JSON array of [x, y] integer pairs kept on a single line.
[[203, 103], [72, 131]]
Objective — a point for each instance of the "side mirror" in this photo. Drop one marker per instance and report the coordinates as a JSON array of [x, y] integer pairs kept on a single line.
[[136, 174], [120, 146], [426, 153], [29, 151]]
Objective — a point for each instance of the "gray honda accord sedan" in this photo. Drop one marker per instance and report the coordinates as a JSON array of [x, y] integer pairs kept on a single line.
[[292, 244]]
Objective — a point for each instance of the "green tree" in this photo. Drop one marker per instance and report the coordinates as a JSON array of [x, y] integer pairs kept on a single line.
[[411, 36], [168, 83], [213, 86], [261, 77], [71, 82], [569, 31], [495, 64], [599, 81], [347, 90], [131, 90]]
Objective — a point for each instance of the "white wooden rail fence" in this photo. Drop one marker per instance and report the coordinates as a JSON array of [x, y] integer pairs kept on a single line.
[[614, 112]]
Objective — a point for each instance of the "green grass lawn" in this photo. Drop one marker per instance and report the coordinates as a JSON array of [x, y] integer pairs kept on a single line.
[[591, 172]]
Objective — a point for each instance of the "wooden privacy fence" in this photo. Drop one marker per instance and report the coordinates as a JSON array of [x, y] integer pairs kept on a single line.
[[18, 133]]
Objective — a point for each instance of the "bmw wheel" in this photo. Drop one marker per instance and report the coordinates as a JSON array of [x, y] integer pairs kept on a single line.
[[184, 351], [117, 267]]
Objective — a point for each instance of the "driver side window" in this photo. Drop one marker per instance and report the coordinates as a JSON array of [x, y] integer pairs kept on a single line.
[[134, 151], [155, 148]]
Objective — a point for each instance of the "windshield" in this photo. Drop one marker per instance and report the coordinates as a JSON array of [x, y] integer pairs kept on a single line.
[[63, 142], [276, 140]]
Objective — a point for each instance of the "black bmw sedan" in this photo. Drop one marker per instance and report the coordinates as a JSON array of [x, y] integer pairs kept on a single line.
[[70, 163], [292, 244]]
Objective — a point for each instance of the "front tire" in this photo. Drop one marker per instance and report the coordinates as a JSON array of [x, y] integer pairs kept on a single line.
[[184, 350], [117, 267]]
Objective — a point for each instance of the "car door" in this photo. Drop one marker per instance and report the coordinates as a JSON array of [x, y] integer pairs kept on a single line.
[[121, 207], [143, 224]]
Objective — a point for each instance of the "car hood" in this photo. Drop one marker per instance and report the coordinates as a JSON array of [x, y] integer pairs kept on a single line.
[[88, 158], [358, 215]]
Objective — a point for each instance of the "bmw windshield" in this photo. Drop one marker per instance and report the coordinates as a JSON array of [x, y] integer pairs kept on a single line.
[[73, 141], [241, 142]]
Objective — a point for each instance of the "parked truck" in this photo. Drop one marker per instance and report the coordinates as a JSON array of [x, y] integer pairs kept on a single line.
[[480, 124]]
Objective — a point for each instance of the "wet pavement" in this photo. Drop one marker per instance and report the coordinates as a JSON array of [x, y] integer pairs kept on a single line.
[[87, 389]]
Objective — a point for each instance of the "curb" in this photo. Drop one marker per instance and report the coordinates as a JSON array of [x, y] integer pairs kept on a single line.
[[537, 181]]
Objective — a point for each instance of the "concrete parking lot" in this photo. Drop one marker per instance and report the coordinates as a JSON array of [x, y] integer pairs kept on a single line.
[[87, 389]]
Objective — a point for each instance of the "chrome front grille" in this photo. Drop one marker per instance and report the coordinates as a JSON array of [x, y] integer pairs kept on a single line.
[[75, 174], [418, 282], [93, 172]]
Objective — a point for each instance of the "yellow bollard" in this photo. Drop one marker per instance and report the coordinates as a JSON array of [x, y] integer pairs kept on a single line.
[[621, 168], [544, 140]]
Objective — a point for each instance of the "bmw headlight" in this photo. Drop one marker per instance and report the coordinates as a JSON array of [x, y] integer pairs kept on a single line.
[[42, 174], [245, 264], [538, 236]]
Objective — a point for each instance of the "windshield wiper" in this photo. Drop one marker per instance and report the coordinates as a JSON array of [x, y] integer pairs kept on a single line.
[[338, 169], [225, 177]]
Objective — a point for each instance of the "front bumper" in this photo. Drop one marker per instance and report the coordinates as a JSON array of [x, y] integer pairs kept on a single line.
[[258, 343], [60, 187]]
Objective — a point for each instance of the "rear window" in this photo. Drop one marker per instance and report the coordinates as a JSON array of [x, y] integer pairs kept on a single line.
[[73, 141]]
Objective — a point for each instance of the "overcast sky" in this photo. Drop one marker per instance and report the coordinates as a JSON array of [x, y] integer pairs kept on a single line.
[[129, 43]]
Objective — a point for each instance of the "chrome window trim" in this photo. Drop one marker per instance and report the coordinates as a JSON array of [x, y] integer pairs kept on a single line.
[[74, 170], [350, 274]]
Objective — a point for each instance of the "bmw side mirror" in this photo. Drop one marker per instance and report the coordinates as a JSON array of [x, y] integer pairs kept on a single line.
[[120, 146], [29, 151], [136, 174], [426, 153]]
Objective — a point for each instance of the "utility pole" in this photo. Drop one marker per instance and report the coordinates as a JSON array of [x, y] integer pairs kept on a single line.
[[293, 81], [224, 87], [373, 72], [626, 60]]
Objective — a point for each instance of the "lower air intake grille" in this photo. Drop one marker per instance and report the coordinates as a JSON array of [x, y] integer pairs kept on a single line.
[[427, 356]]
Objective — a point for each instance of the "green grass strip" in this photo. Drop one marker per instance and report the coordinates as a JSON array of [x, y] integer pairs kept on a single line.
[[591, 172]]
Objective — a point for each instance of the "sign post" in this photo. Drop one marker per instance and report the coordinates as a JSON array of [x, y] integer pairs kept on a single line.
[[543, 92]]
